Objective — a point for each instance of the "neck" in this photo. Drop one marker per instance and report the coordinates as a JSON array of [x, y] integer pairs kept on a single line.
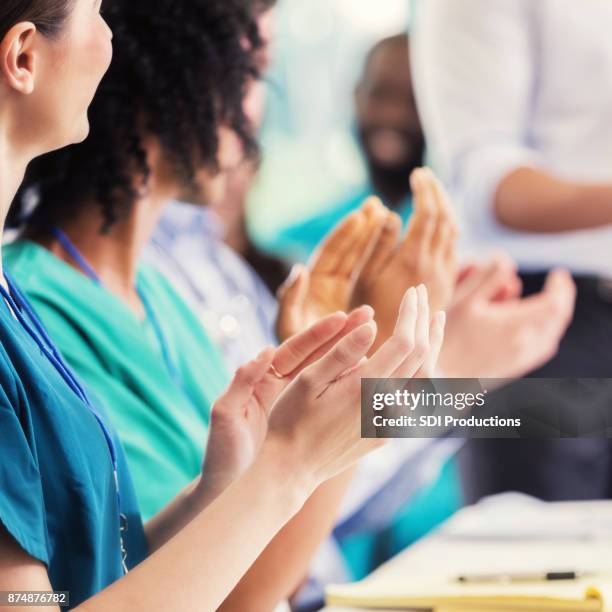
[[13, 164], [114, 255]]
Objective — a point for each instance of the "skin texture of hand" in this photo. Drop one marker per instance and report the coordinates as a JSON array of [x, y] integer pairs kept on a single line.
[[325, 433], [427, 255], [314, 434], [327, 284], [493, 333], [239, 419]]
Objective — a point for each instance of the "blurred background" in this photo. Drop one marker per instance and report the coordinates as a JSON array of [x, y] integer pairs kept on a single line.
[[311, 157]]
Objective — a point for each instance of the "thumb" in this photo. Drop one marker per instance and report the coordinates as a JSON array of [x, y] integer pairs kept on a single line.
[[292, 296], [561, 291], [247, 376]]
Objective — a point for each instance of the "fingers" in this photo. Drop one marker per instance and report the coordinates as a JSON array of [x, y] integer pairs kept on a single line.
[[402, 348], [422, 227], [343, 357], [292, 354], [444, 222], [560, 284], [375, 216], [436, 339], [511, 291], [356, 319], [467, 270], [337, 245], [556, 301], [414, 361], [447, 231], [246, 378], [383, 248], [489, 281], [292, 296]]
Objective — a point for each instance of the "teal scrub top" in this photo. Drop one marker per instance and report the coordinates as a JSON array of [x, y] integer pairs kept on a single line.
[[57, 493], [160, 410], [299, 241]]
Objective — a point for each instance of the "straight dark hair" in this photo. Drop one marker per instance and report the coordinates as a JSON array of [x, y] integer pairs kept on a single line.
[[47, 15]]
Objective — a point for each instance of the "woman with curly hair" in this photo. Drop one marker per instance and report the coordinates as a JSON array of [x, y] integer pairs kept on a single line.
[[168, 113]]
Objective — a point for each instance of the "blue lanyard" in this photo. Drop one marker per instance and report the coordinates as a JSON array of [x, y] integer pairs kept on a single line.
[[20, 305], [88, 270]]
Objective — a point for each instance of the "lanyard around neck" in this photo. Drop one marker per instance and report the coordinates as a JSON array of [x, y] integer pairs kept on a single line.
[[30, 322], [87, 269]]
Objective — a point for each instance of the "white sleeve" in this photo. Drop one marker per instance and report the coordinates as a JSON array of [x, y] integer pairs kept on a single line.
[[474, 71]]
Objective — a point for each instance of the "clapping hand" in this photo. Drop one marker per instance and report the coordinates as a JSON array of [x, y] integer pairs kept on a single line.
[[327, 283], [427, 254], [493, 333], [239, 419]]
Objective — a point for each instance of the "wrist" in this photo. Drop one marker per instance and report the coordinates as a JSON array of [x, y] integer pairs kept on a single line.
[[281, 464], [201, 493]]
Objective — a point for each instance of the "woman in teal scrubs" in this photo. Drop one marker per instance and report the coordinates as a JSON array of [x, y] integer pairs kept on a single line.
[[68, 515], [119, 325]]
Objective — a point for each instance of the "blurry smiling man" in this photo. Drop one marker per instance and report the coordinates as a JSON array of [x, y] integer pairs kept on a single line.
[[391, 140]]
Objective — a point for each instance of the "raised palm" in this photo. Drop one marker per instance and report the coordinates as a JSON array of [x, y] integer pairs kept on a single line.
[[426, 255], [239, 419], [327, 284]]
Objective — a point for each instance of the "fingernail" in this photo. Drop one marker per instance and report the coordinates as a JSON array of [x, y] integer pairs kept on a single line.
[[367, 310], [365, 333], [296, 271], [442, 318]]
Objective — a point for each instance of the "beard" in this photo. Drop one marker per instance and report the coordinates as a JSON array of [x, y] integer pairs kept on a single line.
[[391, 156]]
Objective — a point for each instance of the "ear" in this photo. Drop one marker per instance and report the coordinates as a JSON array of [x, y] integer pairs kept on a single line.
[[17, 57]]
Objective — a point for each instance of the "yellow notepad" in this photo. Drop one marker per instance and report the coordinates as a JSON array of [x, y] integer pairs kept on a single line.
[[419, 592]]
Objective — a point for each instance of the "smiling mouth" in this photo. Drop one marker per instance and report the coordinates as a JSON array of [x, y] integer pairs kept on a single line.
[[387, 146]]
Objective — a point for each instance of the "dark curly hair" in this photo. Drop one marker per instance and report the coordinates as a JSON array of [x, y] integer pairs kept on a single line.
[[180, 71]]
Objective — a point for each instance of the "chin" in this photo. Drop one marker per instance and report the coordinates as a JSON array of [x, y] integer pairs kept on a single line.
[[82, 133]]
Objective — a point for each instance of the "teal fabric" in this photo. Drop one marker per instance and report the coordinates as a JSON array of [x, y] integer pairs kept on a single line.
[[425, 511], [162, 421], [57, 493], [299, 241]]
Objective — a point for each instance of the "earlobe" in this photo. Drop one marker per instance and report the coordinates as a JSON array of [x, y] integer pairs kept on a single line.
[[17, 58]]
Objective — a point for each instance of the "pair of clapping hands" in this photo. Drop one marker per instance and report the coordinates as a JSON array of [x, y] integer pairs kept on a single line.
[[491, 331], [305, 395], [364, 261]]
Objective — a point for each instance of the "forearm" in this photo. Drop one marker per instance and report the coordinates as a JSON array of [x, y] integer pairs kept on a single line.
[[531, 200], [199, 567], [178, 514], [278, 572]]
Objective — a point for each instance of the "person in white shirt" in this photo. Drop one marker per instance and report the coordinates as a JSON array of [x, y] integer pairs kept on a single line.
[[516, 100]]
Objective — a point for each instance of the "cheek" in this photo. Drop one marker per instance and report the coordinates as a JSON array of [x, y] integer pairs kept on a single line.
[[254, 103], [212, 187], [95, 53], [231, 151]]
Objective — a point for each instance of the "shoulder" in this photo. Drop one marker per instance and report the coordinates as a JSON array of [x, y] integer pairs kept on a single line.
[[22, 259], [40, 273]]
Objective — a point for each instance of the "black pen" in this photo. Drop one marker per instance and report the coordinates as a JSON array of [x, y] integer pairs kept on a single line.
[[527, 577]]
